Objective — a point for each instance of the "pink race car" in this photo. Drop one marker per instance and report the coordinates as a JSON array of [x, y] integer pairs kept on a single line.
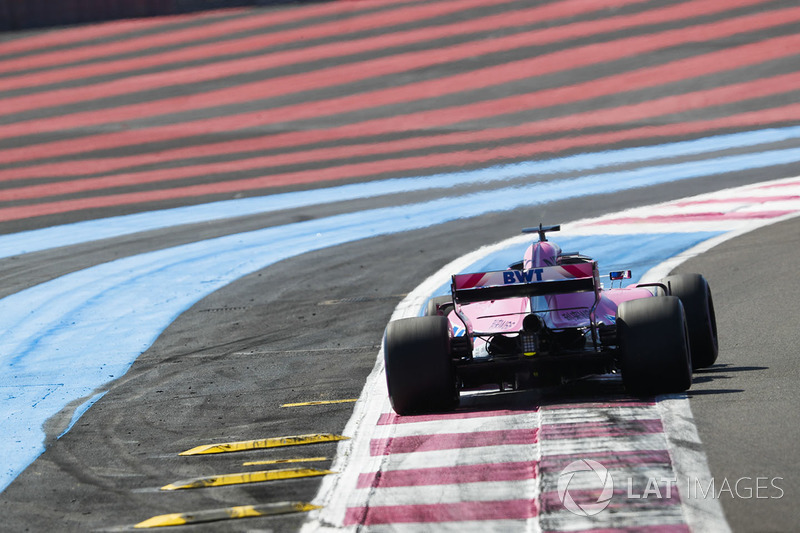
[[545, 321]]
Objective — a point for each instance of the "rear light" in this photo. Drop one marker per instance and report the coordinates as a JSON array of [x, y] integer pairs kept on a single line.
[[530, 344]]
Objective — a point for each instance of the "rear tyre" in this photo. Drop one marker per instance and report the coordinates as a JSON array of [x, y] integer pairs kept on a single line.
[[419, 370], [695, 296], [431, 309], [654, 348]]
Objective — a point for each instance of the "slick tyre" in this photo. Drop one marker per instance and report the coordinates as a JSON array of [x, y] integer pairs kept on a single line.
[[695, 296], [419, 370], [654, 346], [431, 309]]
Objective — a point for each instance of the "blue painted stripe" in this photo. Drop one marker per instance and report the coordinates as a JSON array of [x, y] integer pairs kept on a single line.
[[94, 230], [65, 339]]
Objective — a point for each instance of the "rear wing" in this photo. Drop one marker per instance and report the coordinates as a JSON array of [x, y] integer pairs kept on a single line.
[[497, 285]]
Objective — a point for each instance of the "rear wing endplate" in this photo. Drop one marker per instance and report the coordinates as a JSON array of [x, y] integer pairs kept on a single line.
[[497, 285]]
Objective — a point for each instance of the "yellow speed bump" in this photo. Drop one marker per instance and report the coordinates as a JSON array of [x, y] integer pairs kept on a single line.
[[283, 461], [319, 402], [273, 442], [245, 477], [212, 515]]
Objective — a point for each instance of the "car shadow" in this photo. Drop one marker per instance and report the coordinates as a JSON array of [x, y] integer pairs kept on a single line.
[[509, 400], [711, 392], [717, 374], [600, 390], [726, 367], [593, 390]]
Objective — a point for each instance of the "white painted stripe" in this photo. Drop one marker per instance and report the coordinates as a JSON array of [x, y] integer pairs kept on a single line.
[[648, 441], [732, 208], [465, 456], [465, 492], [690, 462], [726, 225], [738, 198]]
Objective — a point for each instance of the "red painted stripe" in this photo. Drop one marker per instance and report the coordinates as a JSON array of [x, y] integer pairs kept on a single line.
[[343, 74], [731, 58], [243, 162], [207, 51], [643, 78], [517, 471], [452, 441], [273, 87], [697, 217], [257, 21], [600, 429], [604, 117], [84, 33], [738, 199], [778, 185], [441, 512], [272, 60], [191, 75], [758, 118], [394, 418]]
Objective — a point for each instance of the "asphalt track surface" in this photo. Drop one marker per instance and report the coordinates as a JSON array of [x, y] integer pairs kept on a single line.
[[174, 112], [739, 403]]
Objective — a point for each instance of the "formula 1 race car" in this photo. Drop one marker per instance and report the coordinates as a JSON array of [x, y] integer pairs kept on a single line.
[[545, 321]]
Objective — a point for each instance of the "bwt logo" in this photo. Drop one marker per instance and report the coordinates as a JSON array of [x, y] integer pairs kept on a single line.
[[522, 276], [592, 468]]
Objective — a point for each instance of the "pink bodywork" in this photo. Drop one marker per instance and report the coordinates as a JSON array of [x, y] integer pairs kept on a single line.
[[569, 310]]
